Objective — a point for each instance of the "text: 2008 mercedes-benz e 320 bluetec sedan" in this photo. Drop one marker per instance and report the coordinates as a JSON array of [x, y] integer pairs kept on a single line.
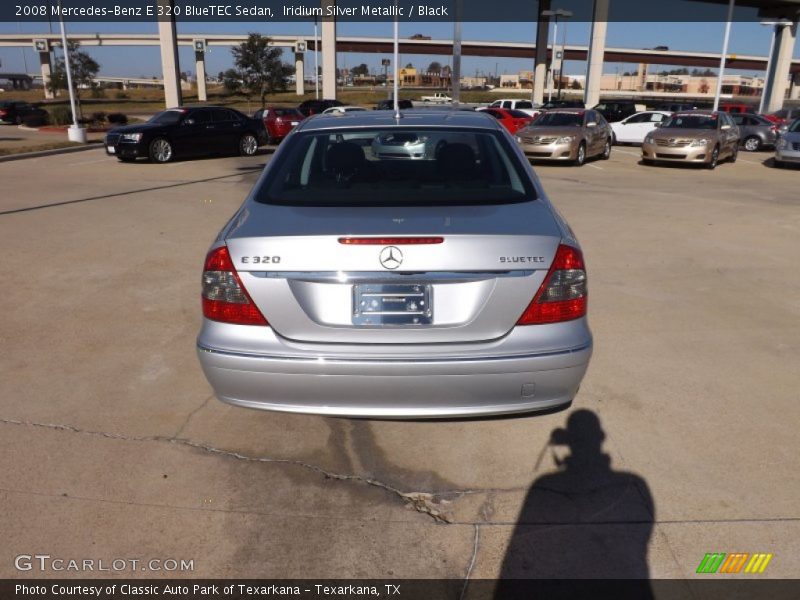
[[427, 281]]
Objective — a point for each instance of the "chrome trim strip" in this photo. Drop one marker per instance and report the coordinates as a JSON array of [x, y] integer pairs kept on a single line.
[[387, 276], [409, 360]]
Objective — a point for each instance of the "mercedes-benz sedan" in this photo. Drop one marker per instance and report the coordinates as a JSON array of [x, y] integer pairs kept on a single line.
[[406, 287]]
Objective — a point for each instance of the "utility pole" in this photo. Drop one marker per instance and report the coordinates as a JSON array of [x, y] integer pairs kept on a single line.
[[75, 133]]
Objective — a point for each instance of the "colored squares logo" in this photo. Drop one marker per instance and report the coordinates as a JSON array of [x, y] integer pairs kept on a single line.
[[733, 563]]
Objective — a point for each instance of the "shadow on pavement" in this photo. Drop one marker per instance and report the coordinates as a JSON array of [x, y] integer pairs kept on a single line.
[[585, 521]]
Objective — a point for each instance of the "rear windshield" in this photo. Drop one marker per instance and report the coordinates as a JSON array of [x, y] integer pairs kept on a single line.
[[691, 122], [559, 119], [396, 167]]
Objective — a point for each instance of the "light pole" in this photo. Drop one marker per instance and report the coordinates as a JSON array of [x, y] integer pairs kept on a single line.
[[316, 60], [564, 14], [75, 133], [724, 56], [774, 25]]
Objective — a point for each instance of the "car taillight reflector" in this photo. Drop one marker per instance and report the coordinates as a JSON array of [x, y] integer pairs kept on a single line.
[[389, 241], [224, 296], [562, 295]]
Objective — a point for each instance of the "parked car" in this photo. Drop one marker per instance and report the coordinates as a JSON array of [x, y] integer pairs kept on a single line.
[[698, 136], [437, 98], [634, 129], [570, 134], [187, 131], [616, 110], [315, 107], [340, 110], [675, 107], [16, 112], [735, 109], [756, 132], [784, 116], [512, 120], [340, 288], [525, 106], [787, 149], [389, 104], [562, 104], [278, 121]]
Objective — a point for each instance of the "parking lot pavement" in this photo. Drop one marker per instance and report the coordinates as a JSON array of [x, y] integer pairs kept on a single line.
[[682, 439]]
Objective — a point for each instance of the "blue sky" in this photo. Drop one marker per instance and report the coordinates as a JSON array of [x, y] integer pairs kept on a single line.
[[746, 38]]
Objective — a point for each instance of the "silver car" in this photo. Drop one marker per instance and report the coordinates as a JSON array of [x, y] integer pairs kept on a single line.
[[348, 284], [787, 150]]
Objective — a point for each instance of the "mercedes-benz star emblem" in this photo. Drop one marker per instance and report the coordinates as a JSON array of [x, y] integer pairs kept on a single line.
[[391, 257]]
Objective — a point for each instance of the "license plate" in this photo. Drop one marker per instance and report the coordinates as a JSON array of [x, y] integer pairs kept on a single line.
[[392, 304], [111, 150]]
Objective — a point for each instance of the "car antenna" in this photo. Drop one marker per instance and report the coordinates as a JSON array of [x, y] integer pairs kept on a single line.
[[396, 100]]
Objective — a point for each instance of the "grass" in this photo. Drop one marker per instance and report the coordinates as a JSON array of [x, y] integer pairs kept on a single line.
[[39, 147], [148, 101]]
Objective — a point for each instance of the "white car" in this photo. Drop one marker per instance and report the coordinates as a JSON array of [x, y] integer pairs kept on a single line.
[[634, 129], [340, 110]]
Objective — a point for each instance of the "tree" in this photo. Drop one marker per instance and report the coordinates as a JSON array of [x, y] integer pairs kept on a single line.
[[260, 66], [435, 67], [361, 70], [446, 71], [409, 66], [84, 69], [232, 81], [575, 85]]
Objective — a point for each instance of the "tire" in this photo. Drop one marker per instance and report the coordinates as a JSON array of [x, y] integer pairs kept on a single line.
[[160, 151], [606, 150], [248, 145], [614, 141], [712, 164], [734, 154], [580, 158], [648, 161], [752, 143]]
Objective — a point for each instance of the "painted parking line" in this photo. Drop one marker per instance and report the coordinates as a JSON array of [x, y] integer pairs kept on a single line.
[[89, 162], [595, 167], [617, 151]]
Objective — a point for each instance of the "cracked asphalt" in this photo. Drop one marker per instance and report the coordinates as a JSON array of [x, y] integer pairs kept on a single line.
[[683, 439]]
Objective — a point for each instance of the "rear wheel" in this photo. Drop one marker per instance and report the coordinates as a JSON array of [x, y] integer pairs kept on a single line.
[[580, 158], [752, 144], [712, 163], [248, 145], [160, 150], [606, 150]]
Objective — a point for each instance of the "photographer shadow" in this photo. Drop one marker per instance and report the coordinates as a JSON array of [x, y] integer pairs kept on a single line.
[[585, 521]]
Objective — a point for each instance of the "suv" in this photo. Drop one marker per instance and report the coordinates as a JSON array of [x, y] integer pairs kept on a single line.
[[314, 107], [617, 110]]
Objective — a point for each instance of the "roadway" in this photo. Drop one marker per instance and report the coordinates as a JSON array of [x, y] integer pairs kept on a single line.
[[113, 446]]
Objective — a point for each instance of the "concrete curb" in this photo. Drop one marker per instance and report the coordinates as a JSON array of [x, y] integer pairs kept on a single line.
[[67, 150]]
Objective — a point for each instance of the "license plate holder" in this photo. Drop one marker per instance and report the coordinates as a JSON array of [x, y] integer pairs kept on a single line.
[[392, 304]]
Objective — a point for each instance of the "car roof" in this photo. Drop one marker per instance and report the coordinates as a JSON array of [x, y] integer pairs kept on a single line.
[[409, 118]]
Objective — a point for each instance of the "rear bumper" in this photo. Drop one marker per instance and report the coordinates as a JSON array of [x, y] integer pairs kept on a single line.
[[403, 387]]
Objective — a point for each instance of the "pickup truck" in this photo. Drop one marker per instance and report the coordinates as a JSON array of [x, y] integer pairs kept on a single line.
[[525, 106], [438, 98]]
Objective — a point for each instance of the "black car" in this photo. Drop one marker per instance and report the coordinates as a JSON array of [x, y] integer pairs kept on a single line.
[[616, 110], [17, 112], [563, 104], [190, 131], [389, 105], [315, 107]]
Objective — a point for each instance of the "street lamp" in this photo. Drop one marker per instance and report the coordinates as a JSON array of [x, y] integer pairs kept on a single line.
[[774, 25], [724, 56], [564, 14], [75, 133]]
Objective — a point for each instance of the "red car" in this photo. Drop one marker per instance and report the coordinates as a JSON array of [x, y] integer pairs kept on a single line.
[[510, 118], [278, 122]]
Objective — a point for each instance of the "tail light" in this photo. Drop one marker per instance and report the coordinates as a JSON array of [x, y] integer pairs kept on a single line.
[[224, 296], [3, 113], [562, 295]]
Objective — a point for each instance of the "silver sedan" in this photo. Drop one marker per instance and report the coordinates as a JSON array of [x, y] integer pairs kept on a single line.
[[355, 285]]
